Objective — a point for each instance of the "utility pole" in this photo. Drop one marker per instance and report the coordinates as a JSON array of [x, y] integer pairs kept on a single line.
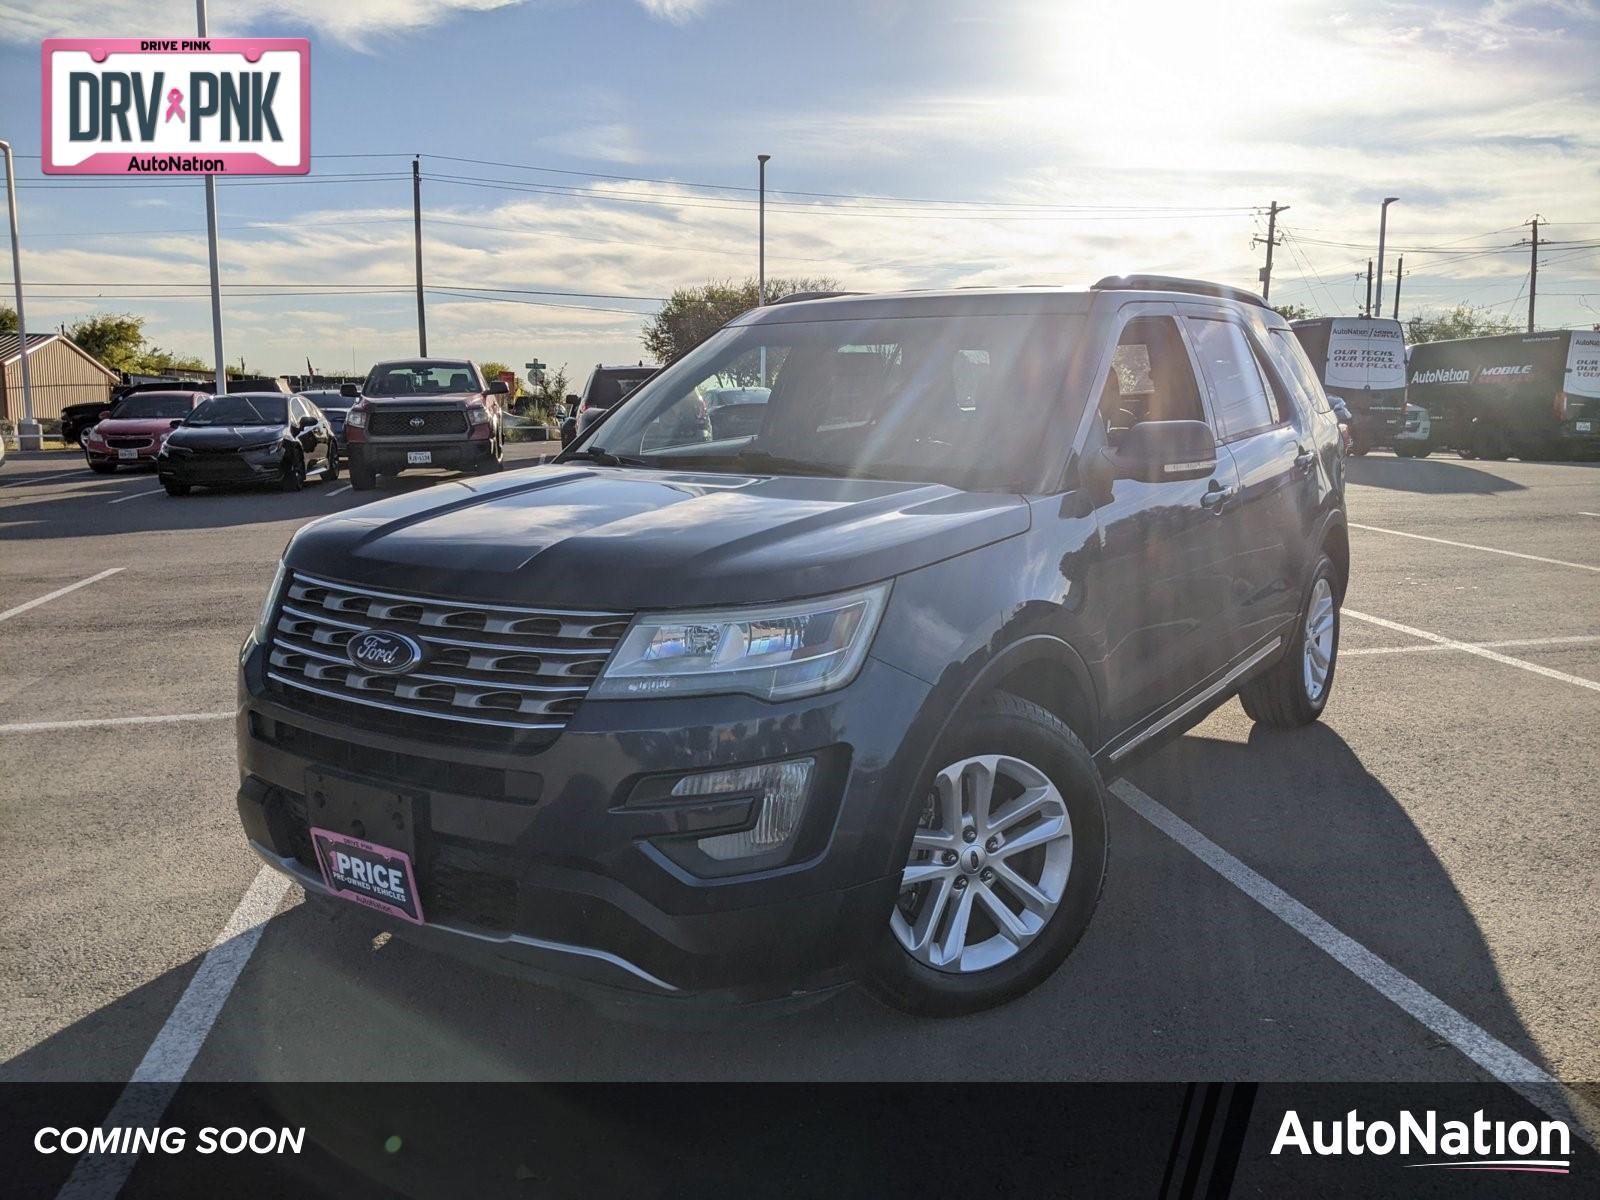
[[416, 219], [1383, 229], [761, 234], [211, 241], [1533, 271], [1367, 310], [28, 437], [1271, 240], [1399, 268]]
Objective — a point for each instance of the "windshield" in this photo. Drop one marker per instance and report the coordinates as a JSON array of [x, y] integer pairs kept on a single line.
[[242, 410], [153, 405], [961, 400], [606, 387], [421, 379], [328, 401]]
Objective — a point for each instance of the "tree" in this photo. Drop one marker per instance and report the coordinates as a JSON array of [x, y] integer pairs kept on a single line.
[[116, 339], [1462, 321], [493, 371], [692, 314], [8, 319], [544, 397], [1292, 312]]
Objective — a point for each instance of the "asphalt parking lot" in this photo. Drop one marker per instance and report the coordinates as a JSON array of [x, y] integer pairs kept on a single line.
[[1405, 891]]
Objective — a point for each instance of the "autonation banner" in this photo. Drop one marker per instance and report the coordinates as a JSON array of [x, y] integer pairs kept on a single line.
[[170, 106]]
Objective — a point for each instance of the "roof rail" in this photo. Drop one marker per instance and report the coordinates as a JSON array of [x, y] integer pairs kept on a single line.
[[1174, 283], [793, 297]]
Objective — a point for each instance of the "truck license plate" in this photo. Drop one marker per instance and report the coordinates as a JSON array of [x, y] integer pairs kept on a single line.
[[1583, 426], [419, 458]]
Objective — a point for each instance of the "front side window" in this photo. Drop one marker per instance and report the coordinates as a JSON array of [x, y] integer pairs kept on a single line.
[[1239, 394], [964, 400], [421, 379]]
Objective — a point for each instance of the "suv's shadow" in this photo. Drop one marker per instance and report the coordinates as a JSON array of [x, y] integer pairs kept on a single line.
[[89, 512], [1431, 476], [1179, 976]]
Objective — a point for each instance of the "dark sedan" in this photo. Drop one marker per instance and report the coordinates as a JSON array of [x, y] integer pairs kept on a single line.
[[250, 438], [334, 405]]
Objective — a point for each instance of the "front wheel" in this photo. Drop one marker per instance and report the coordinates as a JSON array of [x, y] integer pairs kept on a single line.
[[362, 477], [174, 488], [1005, 868], [103, 468], [332, 471], [1295, 691], [294, 474]]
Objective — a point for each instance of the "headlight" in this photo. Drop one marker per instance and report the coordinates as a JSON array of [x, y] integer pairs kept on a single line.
[[270, 603], [477, 414], [775, 652], [357, 418]]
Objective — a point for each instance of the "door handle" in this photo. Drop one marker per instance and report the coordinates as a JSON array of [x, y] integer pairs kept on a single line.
[[1216, 497], [1304, 458]]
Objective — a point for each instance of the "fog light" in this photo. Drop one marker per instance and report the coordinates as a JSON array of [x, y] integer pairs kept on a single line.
[[782, 788]]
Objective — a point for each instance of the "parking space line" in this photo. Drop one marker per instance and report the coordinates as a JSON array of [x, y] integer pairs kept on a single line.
[[1422, 537], [108, 722], [1579, 639], [1476, 1043], [341, 491], [135, 496], [1469, 648], [40, 478], [181, 1036], [59, 592]]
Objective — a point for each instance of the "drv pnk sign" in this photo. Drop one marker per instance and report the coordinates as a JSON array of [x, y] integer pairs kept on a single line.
[[177, 106]]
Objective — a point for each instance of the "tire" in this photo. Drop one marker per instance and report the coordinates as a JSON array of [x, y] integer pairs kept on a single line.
[[103, 468], [1019, 745], [294, 474], [491, 464], [82, 435], [1402, 450], [1287, 696], [332, 471], [175, 488], [362, 477]]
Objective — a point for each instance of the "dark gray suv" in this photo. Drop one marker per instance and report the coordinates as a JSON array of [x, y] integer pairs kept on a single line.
[[743, 720]]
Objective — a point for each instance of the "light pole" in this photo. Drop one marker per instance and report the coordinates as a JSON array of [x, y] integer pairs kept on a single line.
[[1383, 228], [211, 243], [28, 437], [761, 236]]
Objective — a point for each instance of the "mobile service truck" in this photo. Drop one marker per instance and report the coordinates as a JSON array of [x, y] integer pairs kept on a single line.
[[1362, 361]]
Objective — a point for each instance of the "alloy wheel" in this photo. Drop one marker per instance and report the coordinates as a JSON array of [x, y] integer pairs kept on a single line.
[[1317, 646], [989, 864]]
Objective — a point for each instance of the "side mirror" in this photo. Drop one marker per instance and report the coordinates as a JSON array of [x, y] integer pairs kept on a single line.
[[352, 390], [499, 387], [176, 421], [105, 415], [304, 423], [572, 402], [1162, 451]]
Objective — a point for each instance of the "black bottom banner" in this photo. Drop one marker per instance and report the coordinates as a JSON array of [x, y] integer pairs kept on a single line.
[[1169, 1141]]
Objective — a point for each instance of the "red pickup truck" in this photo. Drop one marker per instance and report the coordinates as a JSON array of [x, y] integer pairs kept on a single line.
[[423, 412]]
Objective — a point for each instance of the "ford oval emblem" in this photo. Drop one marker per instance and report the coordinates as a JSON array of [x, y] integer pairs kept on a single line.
[[384, 652]]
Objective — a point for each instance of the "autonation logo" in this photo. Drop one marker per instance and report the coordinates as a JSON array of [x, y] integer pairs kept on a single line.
[[1476, 1145]]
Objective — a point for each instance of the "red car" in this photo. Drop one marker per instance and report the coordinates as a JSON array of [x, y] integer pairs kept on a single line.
[[132, 433]]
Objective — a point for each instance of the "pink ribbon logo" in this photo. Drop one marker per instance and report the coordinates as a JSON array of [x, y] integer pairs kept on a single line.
[[175, 105]]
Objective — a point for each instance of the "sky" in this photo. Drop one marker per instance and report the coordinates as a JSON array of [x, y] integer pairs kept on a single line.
[[583, 158]]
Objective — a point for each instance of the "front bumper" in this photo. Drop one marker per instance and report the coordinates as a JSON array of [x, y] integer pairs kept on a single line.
[[531, 861], [198, 470], [143, 456], [391, 457]]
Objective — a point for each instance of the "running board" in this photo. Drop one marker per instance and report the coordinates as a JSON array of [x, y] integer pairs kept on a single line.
[[1195, 702]]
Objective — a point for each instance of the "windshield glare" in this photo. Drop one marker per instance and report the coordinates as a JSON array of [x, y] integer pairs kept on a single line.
[[420, 379], [153, 406], [241, 410], [961, 400]]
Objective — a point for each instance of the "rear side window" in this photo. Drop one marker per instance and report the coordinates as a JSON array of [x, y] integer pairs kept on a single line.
[[1297, 370], [1239, 393]]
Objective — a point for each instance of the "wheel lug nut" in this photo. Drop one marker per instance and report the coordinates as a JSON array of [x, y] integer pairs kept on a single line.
[[970, 834], [992, 845], [961, 883], [949, 858], [987, 875]]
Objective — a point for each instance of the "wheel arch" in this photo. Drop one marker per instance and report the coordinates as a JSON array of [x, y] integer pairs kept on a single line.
[[1334, 541]]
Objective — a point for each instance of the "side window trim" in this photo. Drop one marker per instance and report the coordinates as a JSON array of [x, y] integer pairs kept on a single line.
[[1274, 398]]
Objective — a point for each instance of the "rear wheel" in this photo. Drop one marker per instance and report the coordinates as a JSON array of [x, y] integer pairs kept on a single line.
[[1005, 868], [1295, 691]]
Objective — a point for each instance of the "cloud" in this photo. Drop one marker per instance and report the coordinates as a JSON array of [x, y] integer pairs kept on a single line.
[[678, 12], [613, 141], [346, 20]]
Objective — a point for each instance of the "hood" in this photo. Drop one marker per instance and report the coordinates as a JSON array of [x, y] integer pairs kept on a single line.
[[224, 437], [135, 427], [581, 537]]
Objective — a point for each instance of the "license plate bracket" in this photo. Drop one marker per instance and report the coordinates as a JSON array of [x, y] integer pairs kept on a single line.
[[419, 458], [365, 841], [127, 454]]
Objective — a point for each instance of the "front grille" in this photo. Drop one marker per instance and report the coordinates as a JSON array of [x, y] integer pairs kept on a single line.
[[128, 443], [484, 665], [402, 422]]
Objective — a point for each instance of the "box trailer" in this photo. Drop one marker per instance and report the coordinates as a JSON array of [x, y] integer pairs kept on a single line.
[[1361, 360], [1527, 395]]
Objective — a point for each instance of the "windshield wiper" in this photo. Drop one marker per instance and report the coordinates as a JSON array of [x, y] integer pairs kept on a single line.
[[603, 457]]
